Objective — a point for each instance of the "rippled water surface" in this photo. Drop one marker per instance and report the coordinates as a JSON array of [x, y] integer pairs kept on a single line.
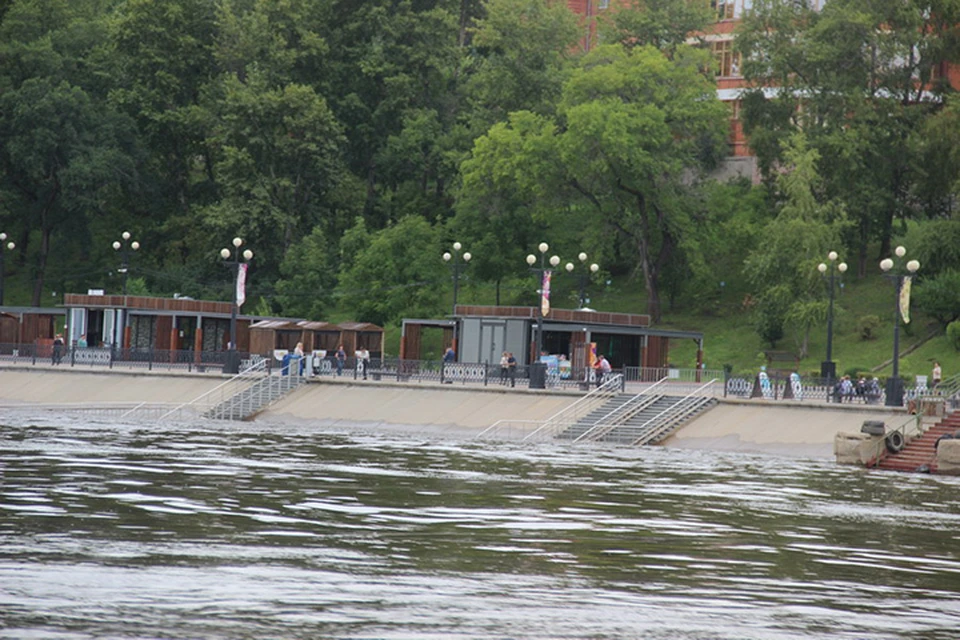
[[240, 530]]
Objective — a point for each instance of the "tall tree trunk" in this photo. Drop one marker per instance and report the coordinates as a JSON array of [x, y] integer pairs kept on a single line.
[[41, 263]]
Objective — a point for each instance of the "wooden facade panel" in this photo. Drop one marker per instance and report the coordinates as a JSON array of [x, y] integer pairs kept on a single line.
[[147, 303], [557, 315], [164, 331]]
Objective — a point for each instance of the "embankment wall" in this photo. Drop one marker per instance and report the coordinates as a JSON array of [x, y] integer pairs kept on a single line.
[[745, 425]]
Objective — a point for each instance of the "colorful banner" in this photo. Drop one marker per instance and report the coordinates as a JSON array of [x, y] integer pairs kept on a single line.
[[905, 299], [241, 284], [545, 293]]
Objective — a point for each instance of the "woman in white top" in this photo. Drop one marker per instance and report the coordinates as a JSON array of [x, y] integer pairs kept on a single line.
[[504, 368]]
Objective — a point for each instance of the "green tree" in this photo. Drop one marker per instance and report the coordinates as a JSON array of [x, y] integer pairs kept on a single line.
[[278, 158], [65, 151], [518, 60], [782, 269], [857, 77], [939, 296], [662, 24], [396, 272], [308, 277]]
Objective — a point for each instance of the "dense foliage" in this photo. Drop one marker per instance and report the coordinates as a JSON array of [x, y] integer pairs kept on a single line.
[[348, 143]]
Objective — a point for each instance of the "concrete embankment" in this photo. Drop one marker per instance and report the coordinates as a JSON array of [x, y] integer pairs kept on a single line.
[[39, 385], [746, 425], [791, 428]]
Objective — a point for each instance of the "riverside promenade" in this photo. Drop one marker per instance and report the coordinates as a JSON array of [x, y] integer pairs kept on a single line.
[[788, 427]]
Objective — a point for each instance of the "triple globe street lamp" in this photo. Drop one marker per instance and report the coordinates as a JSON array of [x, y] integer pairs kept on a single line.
[[584, 276], [232, 364], [124, 247], [9, 246], [901, 275], [828, 368], [457, 259], [543, 280]]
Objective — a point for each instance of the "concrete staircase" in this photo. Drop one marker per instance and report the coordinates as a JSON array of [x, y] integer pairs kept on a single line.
[[646, 420], [255, 397], [920, 454]]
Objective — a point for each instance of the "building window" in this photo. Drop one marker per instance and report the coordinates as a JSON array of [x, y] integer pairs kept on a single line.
[[725, 8], [728, 61], [603, 4]]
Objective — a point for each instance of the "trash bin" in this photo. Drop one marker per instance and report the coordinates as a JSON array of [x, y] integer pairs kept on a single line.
[[285, 364], [538, 375]]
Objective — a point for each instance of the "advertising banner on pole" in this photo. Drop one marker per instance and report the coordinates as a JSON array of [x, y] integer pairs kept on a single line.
[[905, 300], [545, 293], [241, 284]]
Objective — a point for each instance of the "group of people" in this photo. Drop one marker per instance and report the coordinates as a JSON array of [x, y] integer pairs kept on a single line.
[[846, 390]]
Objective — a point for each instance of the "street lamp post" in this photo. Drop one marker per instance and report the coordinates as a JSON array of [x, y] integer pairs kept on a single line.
[[124, 247], [232, 364], [537, 370], [894, 384], [456, 257], [584, 276], [9, 246], [828, 368]]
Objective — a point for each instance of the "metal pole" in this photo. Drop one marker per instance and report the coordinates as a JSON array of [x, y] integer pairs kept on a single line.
[[2, 252], [232, 351], [125, 269], [583, 288], [536, 356], [894, 388], [456, 290], [830, 316]]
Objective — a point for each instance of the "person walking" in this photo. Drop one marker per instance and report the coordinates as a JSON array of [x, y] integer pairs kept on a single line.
[[512, 366], [937, 375], [341, 359], [57, 349], [363, 360], [504, 368], [449, 356]]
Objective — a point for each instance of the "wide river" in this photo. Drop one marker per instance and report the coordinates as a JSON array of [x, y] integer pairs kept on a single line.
[[245, 530]]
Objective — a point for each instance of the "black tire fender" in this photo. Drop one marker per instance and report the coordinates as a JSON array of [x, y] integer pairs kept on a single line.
[[895, 442]]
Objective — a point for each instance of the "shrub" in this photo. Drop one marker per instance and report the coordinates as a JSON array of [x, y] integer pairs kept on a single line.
[[953, 334], [867, 327], [856, 372]]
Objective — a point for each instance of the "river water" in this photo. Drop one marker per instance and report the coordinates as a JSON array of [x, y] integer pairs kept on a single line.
[[245, 530]]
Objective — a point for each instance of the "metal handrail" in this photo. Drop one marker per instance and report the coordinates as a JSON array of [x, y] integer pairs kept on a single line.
[[259, 394], [615, 381], [629, 405], [881, 445], [674, 408], [249, 372], [585, 404]]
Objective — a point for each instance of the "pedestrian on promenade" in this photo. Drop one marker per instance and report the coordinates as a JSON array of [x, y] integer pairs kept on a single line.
[[298, 356], [82, 342], [504, 368], [57, 349], [602, 369], [341, 359], [448, 357], [363, 360], [937, 375], [512, 366]]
